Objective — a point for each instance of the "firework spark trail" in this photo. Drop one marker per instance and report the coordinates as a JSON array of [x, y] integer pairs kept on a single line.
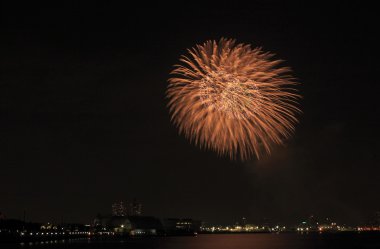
[[232, 99]]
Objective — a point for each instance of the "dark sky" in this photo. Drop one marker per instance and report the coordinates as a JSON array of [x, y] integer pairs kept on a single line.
[[84, 120]]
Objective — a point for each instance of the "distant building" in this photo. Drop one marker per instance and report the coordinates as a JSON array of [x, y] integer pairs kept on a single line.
[[128, 225], [122, 209], [174, 226], [374, 220], [243, 222], [118, 224], [135, 208], [119, 209], [313, 222], [145, 226], [377, 218]]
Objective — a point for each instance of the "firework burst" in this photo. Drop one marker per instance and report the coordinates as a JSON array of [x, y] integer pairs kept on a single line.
[[232, 99]]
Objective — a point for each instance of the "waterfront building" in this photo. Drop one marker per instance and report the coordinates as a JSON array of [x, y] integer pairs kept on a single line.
[[175, 226]]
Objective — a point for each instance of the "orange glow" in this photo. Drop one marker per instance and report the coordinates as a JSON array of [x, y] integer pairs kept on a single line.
[[232, 99]]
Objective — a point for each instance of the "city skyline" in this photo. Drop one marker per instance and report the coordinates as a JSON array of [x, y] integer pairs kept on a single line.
[[120, 209]]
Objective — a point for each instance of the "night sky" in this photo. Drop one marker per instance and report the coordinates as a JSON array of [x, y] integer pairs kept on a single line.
[[84, 121]]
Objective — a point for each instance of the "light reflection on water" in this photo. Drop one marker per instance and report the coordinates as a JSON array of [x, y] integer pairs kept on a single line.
[[227, 241]]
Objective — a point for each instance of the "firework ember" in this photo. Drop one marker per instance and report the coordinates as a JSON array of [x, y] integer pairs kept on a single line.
[[233, 99]]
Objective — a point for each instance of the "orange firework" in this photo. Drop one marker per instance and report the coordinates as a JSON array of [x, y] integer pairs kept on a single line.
[[232, 99]]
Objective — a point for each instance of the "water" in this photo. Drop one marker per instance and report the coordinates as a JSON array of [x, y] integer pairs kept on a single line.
[[226, 241]]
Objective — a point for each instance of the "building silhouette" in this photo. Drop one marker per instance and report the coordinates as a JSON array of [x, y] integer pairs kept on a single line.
[[135, 208], [119, 209], [122, 209]]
